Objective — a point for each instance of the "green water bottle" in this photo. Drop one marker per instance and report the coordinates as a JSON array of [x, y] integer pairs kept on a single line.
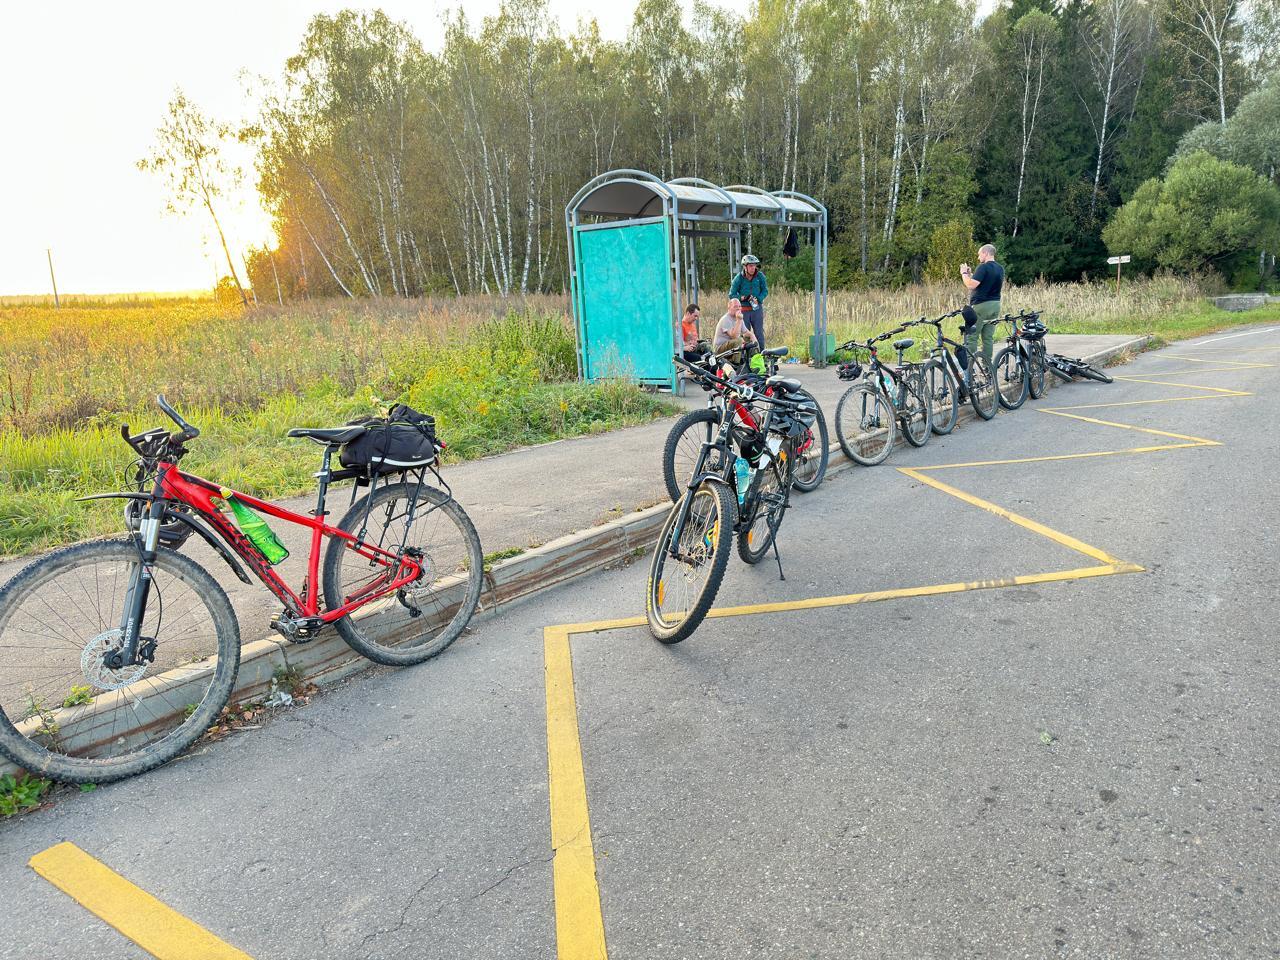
[[256, 529]]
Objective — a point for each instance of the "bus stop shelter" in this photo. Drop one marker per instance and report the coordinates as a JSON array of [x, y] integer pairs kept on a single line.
[[633, 260]]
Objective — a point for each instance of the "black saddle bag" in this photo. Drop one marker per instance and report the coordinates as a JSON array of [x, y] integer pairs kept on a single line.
[[402, 440]]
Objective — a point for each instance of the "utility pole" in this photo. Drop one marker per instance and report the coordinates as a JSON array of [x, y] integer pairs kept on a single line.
[[56, 302]]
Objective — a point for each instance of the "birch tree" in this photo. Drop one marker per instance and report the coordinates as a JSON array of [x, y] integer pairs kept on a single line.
[[188, 156]]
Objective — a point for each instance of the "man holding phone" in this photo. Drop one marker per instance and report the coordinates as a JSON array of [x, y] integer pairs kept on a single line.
[[984, 285]]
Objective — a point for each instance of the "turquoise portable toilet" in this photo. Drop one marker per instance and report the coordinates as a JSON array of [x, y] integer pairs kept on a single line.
[[633, 263]]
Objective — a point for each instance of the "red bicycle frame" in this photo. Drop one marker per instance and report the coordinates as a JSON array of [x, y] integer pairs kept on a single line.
[[199, 494]]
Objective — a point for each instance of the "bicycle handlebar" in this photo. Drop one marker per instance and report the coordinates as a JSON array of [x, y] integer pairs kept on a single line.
[[742, 390], [188, 432]]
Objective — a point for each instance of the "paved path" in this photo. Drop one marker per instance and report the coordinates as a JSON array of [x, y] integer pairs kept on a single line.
[[1065, 766], [530, 496]]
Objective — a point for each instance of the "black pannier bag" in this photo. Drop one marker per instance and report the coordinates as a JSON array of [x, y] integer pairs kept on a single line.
[[402, 440]]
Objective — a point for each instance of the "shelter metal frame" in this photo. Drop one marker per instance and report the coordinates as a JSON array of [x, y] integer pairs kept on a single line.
[[693, 208]]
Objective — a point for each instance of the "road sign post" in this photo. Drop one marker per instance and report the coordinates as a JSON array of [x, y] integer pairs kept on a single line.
[[1117, 261]]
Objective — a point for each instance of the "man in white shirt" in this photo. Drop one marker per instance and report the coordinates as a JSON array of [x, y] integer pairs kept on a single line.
[[732, 331]]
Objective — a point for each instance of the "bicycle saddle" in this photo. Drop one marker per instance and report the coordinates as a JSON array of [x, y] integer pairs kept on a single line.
[[776, 351], [787, 384], [904, 344], [329, 434]]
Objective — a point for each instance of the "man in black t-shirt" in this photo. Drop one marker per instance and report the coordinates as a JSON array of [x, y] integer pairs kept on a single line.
[[984, 285]]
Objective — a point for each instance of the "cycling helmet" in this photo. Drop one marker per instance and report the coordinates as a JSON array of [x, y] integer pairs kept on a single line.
[[849, 371], [750, 258], [1034, 329]]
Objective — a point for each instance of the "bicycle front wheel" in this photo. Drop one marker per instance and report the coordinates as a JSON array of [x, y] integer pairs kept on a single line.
[[982, 388], [422, 618], [1093, 373], [66, 714], [943, 397], [1011, 378], [865, 425], [682, 587], [811, 462], [683, 447]]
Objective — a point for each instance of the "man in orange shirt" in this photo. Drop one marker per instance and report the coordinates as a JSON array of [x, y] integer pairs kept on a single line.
[[692, 350]]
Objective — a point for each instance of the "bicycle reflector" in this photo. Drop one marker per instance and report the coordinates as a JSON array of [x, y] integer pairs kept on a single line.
[[849, 371]]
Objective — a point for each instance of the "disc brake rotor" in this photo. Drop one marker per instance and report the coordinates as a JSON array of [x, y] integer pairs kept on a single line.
[[96, 671]]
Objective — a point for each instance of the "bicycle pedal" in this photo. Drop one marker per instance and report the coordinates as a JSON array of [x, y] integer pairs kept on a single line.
[[296, 630]]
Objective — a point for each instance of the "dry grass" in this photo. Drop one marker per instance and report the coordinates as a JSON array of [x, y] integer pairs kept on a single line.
[[1141, 306]]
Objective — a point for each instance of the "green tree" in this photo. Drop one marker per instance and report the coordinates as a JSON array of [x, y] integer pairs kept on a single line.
[[1207, 213]]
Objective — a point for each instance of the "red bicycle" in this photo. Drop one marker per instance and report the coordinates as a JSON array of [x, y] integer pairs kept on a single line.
[[116, 655]]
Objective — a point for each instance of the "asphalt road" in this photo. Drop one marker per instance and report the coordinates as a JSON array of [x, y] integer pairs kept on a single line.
[[1083, 768]]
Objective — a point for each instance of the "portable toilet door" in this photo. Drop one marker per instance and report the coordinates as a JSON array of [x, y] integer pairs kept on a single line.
[[625, 296]]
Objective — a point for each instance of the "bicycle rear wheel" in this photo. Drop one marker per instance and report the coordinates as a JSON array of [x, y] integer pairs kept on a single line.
[[64, 713], [755, 541], [943, 397], [1011, 378], [683, 446], [982, 388], [917, 411], [1036, 370], [424, 617], [811, 463], [865, 425], [682, 588]]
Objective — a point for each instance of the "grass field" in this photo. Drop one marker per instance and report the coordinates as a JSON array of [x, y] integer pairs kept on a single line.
[[497, 374]]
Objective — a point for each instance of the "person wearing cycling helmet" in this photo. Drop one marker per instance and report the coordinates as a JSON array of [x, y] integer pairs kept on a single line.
[[750, 288]]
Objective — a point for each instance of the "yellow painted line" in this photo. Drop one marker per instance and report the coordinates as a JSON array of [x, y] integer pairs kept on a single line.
[[1060, 456], [1141, 403], [160, 930], [1194, 441], [1230, 364], [579, 919], [1071, 543], [1226, 391]]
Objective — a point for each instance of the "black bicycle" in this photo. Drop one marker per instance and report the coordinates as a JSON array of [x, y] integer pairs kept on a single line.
[[1068, 368], [869, 412], [1014, 366], [740, 486], [688, 434]]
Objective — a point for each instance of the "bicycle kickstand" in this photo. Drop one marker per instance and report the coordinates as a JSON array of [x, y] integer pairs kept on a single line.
[[777, 556]]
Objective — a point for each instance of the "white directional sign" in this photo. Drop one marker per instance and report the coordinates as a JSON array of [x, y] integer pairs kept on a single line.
[[1116, 260]]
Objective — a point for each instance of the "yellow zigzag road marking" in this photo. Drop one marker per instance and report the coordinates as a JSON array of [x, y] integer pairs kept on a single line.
[[579, 918]]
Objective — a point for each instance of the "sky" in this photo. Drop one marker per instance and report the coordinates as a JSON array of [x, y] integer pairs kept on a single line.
[[83, 86]]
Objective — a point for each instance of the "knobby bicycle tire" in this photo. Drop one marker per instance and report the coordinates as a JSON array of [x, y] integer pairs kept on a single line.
[[820, 451], [1093, 373], [983, 392], [153, 696], [1036, 371], [754, 542], [708, 418], [944, 395], [725, 508], [1017, 393], [850, 441], [917, 419], [386, 631]]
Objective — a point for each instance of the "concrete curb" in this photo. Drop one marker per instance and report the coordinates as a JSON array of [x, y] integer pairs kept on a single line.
[[328, 660]]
